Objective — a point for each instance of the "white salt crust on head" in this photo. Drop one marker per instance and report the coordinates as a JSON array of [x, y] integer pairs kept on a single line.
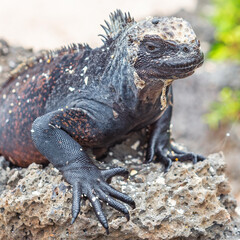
[[169, 29]]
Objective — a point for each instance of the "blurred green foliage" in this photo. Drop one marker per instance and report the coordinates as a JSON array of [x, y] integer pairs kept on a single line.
[[227, 22], [226, 47], [226, 110]]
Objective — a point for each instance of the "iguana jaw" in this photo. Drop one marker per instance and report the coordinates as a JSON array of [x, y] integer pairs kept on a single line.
[[177, 70]]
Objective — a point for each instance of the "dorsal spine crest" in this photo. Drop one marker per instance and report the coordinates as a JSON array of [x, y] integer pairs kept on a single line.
[[47, 56], [118, 22]]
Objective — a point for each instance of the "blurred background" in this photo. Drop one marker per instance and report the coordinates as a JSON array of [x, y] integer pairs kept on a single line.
[[207, 104]]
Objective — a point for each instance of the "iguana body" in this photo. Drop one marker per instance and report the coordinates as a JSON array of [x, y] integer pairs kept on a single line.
[[55, 106]]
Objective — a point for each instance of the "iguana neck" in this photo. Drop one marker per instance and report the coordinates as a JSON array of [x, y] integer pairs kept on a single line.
[[119, 78], [150, 91]]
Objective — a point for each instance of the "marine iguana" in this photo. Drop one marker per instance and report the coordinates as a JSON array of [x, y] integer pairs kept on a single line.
[[57, 105]]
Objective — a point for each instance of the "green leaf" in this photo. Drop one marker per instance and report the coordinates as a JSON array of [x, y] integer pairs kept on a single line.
[[226, 110], [226, 19]]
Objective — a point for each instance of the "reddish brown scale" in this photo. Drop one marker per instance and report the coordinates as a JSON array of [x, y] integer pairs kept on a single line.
[[22, 100], [80, 126]]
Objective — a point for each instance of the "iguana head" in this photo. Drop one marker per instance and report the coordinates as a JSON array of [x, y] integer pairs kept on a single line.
[[167, 48], [158, 48]]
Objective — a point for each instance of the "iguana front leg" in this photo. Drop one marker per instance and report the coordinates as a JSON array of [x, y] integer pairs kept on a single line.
[[161, 145], [53, 135]]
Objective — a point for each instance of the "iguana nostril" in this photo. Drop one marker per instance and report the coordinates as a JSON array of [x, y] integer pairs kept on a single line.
[[198, 42], [186, 49]]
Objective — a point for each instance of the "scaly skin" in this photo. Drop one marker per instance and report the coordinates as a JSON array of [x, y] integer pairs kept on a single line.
[[55, 106]]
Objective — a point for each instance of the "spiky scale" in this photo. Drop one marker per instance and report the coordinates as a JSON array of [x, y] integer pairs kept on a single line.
[[118, 23]]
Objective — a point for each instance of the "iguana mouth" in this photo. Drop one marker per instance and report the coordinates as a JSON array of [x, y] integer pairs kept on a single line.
[[181, 70], [187, 65]]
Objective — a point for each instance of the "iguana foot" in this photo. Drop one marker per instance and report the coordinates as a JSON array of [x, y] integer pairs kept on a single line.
[[91, 182], [169, 153]]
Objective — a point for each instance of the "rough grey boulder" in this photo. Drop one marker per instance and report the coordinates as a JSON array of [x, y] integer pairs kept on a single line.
[[188, 202]]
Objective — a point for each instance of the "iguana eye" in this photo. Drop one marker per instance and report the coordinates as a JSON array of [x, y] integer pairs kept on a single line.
[[151, 47]]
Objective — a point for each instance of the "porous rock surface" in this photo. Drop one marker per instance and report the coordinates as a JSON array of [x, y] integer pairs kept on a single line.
[[188, 202]]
